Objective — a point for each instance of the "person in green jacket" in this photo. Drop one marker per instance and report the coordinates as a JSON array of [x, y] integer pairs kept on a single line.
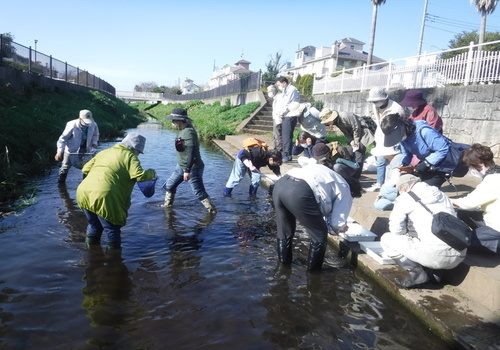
[[104, 194], [189, 166]]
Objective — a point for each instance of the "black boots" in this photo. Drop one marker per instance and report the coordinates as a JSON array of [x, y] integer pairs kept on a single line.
[[62, 177], [252, 190], [284, 248], [316, 256], [416, 273]]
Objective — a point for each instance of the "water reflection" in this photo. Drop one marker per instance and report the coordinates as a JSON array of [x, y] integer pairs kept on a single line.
[[73, 217]]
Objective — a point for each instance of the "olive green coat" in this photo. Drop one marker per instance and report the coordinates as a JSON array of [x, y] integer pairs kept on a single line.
[[107, 188]]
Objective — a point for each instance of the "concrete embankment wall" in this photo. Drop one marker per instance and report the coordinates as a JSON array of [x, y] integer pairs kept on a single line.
[[470, 113]]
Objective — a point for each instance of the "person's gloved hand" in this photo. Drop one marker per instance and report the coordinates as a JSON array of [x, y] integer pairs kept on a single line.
[[423, 167]]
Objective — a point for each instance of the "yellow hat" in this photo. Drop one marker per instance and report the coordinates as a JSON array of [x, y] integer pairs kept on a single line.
[[328, 115]]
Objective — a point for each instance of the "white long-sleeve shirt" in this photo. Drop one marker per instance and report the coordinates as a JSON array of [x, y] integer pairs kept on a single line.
[[331, 191], [486, 196]]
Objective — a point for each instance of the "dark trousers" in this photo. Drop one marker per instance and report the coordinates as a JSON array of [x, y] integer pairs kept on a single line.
[[484, 238], [294, 200], [287, 127]]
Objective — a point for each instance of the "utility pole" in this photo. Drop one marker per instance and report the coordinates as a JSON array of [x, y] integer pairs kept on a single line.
[[426, 2]]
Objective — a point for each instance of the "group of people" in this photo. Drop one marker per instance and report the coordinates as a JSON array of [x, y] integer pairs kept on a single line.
[[410, 149], [319, 193]]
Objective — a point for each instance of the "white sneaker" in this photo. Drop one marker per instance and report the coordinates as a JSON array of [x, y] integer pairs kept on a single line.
[[374, 187]]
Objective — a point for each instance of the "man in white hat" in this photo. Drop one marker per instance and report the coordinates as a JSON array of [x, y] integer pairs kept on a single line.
[[276, 96], [80, 136], [382, 106], [290, 94]]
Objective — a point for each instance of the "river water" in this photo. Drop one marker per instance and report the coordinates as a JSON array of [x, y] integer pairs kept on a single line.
[[184, 279]]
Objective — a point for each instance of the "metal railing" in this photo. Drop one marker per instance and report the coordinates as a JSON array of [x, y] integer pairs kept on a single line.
[[470, 66], [25, 58], [245, 84]]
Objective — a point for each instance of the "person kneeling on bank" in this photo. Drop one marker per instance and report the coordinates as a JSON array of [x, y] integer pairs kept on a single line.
[[410, 241]]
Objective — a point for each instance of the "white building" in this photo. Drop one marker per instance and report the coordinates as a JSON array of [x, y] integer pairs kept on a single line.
[[325, 60], [188, 87], [228, 74]]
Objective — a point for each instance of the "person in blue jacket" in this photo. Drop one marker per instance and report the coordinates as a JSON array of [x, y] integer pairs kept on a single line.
[[420, 139], [304, 144]]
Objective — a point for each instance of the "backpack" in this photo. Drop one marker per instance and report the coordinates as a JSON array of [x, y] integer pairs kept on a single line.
[[253, 142], [368, 123]]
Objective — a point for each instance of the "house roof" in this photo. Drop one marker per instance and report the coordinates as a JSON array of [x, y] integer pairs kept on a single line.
[[307, 48], [242, 61], [352, 41]]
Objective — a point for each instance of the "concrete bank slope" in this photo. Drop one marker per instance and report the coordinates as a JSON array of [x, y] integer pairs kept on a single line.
[[464, 310]]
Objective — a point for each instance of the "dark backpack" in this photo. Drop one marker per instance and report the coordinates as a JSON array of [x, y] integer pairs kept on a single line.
[[368, 123]]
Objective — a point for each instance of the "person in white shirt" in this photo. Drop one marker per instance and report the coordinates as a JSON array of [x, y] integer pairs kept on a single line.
[[276, 96], [410, 241], [320, 200], [382, 106], [486, 198], [290, 94]]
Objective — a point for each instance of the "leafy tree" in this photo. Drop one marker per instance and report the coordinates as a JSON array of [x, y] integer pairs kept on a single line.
[[274, 66], [305, 84], [376, 4], [7, 50], [464, 38], [146, 86]]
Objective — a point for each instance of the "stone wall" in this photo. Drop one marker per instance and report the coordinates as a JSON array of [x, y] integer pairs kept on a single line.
[[471, 114]]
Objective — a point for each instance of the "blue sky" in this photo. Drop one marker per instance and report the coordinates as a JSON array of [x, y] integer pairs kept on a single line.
[[127, 42]]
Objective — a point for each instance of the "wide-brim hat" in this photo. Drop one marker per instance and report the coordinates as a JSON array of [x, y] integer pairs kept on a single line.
[[86, 116], [380, 151], [295, 109], [413, 98], [179, 114], [377, 94], [328, 115], [394, 134]]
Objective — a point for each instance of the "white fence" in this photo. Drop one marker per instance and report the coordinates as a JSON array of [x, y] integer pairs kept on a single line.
[[427, 70]]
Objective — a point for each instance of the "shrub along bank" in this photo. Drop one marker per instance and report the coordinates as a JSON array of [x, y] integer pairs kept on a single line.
[[33, 118]]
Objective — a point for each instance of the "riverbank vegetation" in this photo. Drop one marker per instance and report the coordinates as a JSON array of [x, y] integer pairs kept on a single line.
[[34, 117], [212, 121]]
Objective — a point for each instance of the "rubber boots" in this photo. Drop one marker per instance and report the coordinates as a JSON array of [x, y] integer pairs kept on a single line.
[[416, 273], [227, 192], [316, 256], [62, 177], [207, 203], [284, 249], [252, 190], [169, 199]]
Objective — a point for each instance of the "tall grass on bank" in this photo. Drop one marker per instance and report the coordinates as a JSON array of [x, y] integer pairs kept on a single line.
[[212, 121], [34, 117]]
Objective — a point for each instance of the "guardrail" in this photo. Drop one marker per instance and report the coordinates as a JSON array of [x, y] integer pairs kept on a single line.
[[469, 66], [26, 59]]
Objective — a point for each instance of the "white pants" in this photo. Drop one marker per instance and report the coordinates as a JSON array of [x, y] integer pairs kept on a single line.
[[432, 256]]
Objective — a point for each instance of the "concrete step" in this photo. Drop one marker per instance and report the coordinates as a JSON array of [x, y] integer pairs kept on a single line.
[[466, 309]]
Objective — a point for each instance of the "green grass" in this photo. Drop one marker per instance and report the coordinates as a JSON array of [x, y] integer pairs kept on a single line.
[[34, 117]]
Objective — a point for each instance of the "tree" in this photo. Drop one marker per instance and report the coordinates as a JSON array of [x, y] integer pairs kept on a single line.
[[145, 86], [376, 4], [464, 38], [274, 66], [485, 7], [7, 50]]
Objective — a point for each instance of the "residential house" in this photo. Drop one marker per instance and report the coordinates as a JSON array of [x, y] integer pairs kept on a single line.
[[188, 87], [228, 74], [324, 61]]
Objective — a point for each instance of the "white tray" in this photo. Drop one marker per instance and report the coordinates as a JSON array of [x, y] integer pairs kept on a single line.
[[374, 250], [357, 233]]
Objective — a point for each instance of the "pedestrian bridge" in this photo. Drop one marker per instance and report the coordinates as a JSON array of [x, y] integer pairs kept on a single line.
[[134, 96]]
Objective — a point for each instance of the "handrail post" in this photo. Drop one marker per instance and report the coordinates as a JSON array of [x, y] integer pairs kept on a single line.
[[468, 67], [29, 61]]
